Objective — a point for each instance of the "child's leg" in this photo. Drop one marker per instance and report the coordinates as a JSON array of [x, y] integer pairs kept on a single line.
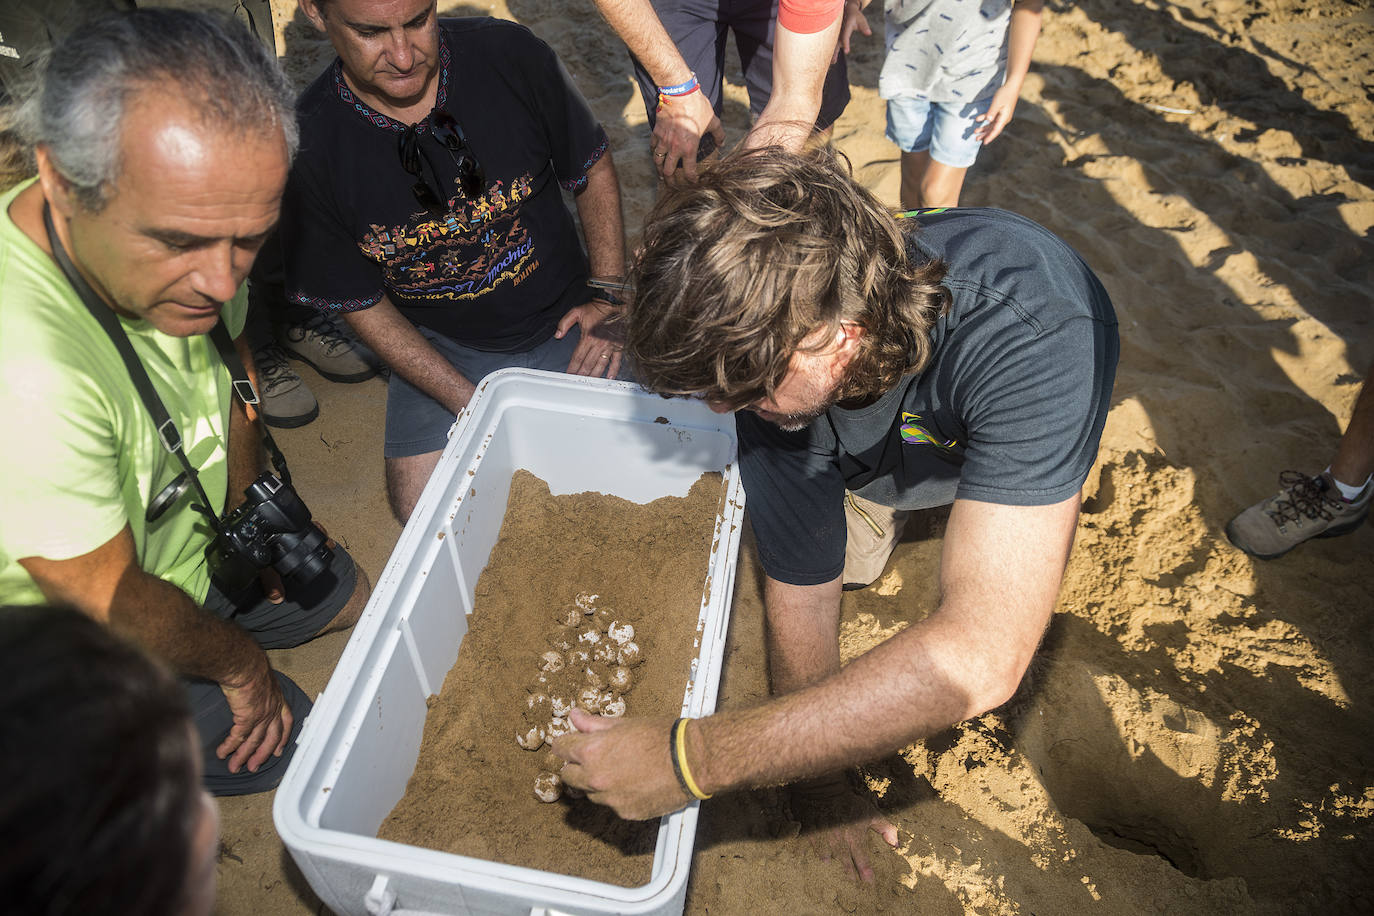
[[913, 173], [909, 125], [927, 182], [951, 150]]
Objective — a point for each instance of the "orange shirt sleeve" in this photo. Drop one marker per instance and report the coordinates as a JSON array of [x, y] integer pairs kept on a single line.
[[808, 16]]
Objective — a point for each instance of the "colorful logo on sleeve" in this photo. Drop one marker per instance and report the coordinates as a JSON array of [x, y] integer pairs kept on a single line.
[[914, 433]]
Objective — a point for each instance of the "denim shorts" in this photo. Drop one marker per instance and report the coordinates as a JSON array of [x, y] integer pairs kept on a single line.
[[416, 424], [944, 128]]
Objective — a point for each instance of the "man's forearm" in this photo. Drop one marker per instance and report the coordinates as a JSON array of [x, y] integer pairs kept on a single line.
[[639, 27], [197, 643], [603, 223], [999, 577], [800, 62], [803, 633], [164, 620], [392, 337], [108, 585], [908, 687]]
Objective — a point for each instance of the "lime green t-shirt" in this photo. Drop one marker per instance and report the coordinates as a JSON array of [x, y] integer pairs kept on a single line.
[[81, 457]]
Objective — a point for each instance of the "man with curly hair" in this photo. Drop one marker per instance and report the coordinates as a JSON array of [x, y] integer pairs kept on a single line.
[[877, 363]]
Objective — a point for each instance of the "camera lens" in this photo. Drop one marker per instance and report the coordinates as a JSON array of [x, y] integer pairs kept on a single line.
[[302, 555]]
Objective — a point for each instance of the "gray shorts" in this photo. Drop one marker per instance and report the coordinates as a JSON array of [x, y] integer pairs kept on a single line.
[[416, 424], [699, 30], [304, 613]]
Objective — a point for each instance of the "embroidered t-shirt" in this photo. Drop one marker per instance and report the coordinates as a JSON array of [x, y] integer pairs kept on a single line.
[[945, 50], [1009, 410], [495, 272]]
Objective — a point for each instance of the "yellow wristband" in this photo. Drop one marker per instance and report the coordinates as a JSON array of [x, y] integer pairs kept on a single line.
[[680, 757]]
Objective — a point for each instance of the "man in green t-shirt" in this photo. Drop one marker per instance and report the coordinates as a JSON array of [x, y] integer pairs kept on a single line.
[[162, 140]]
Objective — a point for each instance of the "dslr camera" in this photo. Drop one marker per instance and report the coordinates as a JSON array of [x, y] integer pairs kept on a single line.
[[272, 527]]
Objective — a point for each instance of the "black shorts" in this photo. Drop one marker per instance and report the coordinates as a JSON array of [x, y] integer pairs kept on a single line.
[[699, 29], [303, 614]]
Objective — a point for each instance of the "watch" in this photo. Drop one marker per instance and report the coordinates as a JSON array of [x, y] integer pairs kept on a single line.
[[605, 295]]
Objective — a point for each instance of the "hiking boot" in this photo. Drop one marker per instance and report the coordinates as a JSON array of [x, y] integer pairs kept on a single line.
[[874, 531], [328, 349], [1306, 507], [286, 401]]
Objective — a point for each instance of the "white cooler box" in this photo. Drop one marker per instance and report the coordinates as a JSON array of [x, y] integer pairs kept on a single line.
[[360, 744]]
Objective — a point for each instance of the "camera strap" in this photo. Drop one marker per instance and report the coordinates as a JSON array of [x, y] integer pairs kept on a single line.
[[247, 393], [167, 432]]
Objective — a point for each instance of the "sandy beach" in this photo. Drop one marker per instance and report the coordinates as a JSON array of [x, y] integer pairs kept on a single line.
[[1195, 735]]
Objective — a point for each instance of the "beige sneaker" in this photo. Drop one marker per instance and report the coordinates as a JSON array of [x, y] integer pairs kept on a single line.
[[287, 402], [328, 348], [1306, 507], [874, 531]]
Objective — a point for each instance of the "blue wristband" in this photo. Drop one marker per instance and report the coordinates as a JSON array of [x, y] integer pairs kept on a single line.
[[680, 88]]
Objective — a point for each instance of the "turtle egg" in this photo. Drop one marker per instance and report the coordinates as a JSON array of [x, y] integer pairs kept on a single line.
[[629, 654], [590, 699], [595, 675], [620, 679], [557, 728], [551, 662], [548, 787], [620, 632], [560, 705], [532, 739], [579, 657], [589, 637], [606, 652], [614, 707], [587, 602]]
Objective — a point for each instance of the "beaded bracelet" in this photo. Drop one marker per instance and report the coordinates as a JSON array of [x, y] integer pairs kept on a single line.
[[678, 751]]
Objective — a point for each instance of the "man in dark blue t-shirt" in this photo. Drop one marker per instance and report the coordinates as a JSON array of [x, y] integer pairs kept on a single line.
[[424, 208], [963, 356]]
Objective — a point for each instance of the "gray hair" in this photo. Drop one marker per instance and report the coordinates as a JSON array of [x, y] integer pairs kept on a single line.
[[77, 107]]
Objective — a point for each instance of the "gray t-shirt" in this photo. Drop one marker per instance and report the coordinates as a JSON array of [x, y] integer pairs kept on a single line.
[[1009, 410], [945, 50]]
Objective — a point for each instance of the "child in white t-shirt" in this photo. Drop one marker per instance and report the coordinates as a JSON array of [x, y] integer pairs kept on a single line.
[[952, 75]]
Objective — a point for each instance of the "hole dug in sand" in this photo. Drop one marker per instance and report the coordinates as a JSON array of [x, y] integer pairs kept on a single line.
[[1134, 767], [1143, 836]]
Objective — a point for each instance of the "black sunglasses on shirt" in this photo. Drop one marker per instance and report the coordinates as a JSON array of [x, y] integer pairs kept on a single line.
[[446, 129]]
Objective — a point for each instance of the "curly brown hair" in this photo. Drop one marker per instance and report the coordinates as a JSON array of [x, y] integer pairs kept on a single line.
[[767, 248]]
